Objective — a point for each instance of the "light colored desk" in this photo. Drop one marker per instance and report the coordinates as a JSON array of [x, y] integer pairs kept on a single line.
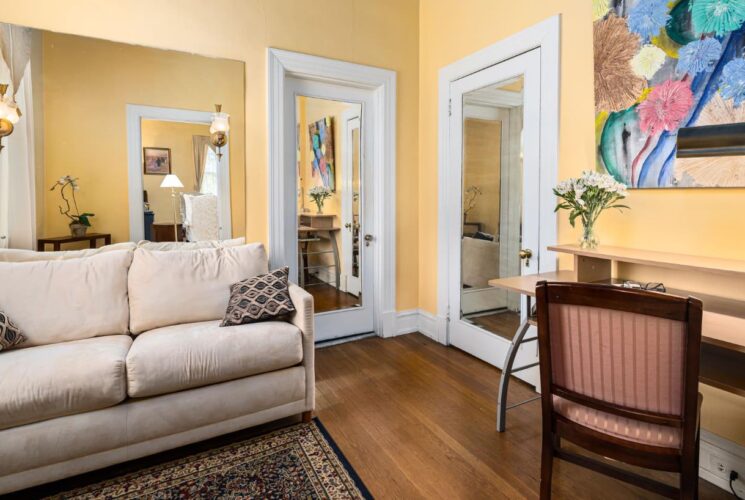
[[723, 322]]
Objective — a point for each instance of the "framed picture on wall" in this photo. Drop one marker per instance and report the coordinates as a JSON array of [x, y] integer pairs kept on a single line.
[[157, 161], [322, 151]]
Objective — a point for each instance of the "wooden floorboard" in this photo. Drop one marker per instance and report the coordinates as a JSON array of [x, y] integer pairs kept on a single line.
[[503, 324], [417, 420], [328, 298]]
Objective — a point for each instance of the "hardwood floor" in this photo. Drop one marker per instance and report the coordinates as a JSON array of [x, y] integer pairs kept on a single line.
[[503, 324], [328, 298], [417, 420]]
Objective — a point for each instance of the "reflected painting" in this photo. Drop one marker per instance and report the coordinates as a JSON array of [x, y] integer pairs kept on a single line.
[[661, 65], [322, 149]]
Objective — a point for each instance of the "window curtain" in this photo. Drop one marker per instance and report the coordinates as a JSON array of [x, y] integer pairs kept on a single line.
[[18, 175], [201, 147]]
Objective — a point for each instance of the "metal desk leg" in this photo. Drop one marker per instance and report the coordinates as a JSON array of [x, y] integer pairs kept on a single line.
[[504, 381], [507, 369]]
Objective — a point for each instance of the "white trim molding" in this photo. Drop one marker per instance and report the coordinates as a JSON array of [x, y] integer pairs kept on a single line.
[[135, 114], [381, 83], [417, 320], [545, 35]]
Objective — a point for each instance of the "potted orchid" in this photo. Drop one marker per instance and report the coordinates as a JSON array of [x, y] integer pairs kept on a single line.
[[586, 197], [79, 222], [319, 194]]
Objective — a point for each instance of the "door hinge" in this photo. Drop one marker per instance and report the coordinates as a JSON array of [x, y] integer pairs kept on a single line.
[[450, 107]]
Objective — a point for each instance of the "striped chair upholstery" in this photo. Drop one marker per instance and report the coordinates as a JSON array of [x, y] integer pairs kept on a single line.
[[619, 377], [620, 357]]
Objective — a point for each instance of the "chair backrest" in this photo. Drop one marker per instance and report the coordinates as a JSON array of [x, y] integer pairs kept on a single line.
[[628, 352]]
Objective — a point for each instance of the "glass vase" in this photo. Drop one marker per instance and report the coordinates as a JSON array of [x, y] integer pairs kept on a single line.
[[588, 240]]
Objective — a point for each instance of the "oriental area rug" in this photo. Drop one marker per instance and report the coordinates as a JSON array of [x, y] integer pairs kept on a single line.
[[300, 461]]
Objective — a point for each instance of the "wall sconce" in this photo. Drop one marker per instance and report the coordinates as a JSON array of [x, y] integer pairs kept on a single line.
[[9, 114], [219, 129]]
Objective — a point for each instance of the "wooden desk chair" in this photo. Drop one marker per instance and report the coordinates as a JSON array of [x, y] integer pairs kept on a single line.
[[619, 377]]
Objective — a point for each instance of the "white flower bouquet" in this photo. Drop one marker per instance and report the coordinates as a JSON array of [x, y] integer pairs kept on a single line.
[[586, 197], [319, 194]]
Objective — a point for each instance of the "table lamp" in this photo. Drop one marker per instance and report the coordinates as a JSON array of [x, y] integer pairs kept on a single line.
[[172, 181]]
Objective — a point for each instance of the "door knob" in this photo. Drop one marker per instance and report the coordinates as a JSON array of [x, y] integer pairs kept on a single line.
[[348, 225], [526, 253], [368, 239]]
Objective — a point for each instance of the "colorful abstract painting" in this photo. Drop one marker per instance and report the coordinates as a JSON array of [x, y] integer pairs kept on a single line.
[[661, 65], [322, 149]]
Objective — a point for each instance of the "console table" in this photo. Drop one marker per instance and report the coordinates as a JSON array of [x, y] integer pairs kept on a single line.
[[723, 328], [58, 241]]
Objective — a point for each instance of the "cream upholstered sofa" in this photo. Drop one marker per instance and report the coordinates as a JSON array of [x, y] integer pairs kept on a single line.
[[124, 356]]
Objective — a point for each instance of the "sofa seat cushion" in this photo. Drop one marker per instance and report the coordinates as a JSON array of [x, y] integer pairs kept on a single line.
[[39, 383], [178, 357]]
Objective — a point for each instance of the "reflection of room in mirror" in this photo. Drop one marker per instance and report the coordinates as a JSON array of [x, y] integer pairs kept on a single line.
[[328, 242], [492, 204], [74, 94], [194, 161]]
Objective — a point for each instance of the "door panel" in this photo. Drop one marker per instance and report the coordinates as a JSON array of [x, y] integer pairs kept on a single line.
[[493, 218]]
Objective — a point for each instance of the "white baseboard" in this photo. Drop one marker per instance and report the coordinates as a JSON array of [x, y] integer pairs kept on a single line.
[[419, 320], [718, 457]]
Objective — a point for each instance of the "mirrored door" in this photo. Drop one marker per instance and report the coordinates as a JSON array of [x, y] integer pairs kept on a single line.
[[334, 249], [493, 218], [492, 200]]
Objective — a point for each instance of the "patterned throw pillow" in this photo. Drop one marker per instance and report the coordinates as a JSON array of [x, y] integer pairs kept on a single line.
[[260, 298], [10, 335]]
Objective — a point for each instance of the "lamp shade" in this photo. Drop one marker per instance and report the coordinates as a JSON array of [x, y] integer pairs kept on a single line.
[[171, 181], [220, 122]]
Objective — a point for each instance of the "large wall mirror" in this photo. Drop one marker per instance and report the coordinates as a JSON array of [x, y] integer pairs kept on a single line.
[[125, 132]]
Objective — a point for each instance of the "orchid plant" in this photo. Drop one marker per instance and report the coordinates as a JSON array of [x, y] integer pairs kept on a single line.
[[586, 197], [71, 209], [319, 194]]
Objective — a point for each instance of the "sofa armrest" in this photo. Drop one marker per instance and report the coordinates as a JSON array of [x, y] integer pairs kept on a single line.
[[303, 318]]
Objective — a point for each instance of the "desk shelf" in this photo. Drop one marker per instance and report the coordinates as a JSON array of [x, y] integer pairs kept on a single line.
[[723, 329]]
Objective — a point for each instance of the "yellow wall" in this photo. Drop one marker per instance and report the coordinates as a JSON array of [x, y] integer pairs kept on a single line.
[[696, 221], [87, 84], [381, 33], [177, 136], [482, 145]]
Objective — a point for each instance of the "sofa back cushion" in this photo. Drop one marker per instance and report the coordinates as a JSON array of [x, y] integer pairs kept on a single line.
[[15, 255], [60, 300], [190, 245], [186, 286]]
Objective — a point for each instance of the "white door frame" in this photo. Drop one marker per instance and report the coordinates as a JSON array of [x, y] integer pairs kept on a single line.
[[546, 36], [135, 114], [351, 120], [284, 64]]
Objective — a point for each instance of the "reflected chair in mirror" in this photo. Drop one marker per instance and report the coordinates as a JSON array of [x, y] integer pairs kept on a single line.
[[201, 221], [619, 378]]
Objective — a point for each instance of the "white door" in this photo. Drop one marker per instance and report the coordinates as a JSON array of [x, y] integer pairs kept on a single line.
[[493, 219], [350, 204], [318, 258]]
